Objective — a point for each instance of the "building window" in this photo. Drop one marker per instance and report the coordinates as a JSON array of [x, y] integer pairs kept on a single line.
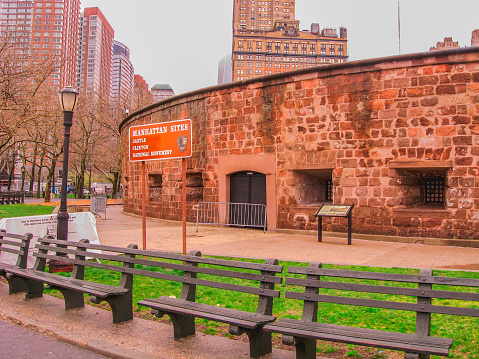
[[155, 185], [328, 184], [434, 190], [313, 187], [420, 186]]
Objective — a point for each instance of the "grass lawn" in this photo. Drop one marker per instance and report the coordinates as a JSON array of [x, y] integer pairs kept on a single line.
[[24, 210], [464, 330]]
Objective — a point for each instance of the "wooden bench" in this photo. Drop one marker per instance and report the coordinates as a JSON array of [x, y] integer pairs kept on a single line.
[[11, 198], [257, 279], [73, 288], [17, 245], [304, 333]]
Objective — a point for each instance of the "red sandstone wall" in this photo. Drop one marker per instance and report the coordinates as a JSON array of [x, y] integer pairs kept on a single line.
[[362, 121]]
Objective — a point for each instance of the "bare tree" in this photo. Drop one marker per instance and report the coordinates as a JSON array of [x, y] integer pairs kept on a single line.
[[21, 82]]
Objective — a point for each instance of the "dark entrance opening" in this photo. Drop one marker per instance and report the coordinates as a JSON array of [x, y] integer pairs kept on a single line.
[[247, 191]]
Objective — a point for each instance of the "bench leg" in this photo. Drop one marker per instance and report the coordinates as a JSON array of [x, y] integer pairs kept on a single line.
[[183, 325], [305, 348], [73, 299], [121, 306], [16, 285], [416, 356], [259, 342], [34, 289]]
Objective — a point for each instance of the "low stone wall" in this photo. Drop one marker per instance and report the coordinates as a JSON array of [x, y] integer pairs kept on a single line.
[[391, 136]]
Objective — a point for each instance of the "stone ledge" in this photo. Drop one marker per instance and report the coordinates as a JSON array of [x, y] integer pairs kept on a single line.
[[420, 164]]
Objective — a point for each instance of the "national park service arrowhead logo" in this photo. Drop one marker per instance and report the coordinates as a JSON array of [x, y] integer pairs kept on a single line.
[[182, 142]]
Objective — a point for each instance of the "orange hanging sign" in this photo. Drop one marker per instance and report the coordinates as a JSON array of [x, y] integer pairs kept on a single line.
[[160, 141]]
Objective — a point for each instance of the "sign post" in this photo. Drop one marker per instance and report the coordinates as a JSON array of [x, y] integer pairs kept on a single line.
[[158, 141], [143, 202], [334, 210]]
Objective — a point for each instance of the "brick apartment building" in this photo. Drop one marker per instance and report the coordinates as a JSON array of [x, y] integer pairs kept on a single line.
[[267, 40], [45, 31], [95, 54]]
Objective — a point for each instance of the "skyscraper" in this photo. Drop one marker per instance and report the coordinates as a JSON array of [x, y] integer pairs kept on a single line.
[[122, 75], [44, 31], [162, 92], [267, 40], [95, 54], [475, 38]]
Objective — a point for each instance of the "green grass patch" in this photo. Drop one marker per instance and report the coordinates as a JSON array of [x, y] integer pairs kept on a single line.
[[24, 210], [464, 330]]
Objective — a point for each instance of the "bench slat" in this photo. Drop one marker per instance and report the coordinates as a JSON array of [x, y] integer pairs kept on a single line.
[[392, 277], [53, 249], [226, 315], [12, 235], [84, 245], [383, 304], [204, 260], [65, 282], [11, 250], [414, 292], [234, 287], [208, 283], [22, 243], [360, 336], [159, 275], [203, 270]]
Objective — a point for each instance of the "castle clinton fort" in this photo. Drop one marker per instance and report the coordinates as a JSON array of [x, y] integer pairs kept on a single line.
[[398, 137]]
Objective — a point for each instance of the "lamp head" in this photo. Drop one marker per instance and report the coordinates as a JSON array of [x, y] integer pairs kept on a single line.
[[68, 99]]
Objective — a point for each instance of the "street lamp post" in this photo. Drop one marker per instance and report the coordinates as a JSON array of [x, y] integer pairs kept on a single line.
[[68, 100]]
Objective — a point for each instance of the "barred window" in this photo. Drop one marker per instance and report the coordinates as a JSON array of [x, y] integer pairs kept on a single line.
[[434, 190], [329, 190]]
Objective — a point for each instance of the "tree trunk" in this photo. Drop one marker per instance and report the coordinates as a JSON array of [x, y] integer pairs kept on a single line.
[[50, 179], [32, 174], [11, 173]]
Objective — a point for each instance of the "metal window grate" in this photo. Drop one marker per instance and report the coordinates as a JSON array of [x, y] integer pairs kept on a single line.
[[434, 190], [329, 190]]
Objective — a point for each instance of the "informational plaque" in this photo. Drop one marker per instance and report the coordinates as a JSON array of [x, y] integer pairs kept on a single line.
[[334, 210], [159, 141]]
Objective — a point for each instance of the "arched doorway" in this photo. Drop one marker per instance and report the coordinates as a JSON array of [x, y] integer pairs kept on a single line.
[[248, 187], [247, 195]]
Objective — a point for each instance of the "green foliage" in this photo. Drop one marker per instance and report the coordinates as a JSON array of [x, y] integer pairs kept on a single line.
[[24, 210], [353, 354]]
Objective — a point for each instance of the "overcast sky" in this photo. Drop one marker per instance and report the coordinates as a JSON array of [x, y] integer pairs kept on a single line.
[[180, 42]]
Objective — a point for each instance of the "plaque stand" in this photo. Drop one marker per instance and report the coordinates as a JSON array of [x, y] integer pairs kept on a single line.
[[334, 210]]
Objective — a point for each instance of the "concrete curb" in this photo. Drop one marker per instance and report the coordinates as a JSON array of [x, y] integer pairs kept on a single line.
[[467, 243]]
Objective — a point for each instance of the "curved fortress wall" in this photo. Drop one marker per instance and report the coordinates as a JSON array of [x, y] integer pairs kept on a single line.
[[397, 137]]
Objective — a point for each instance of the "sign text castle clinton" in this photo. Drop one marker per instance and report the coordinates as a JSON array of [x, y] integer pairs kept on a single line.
[[160, 141]]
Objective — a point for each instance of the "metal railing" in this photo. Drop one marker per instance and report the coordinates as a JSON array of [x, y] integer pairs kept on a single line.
[[231, 214]]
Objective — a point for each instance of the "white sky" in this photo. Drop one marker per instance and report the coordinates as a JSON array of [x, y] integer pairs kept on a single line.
[[180, 42]]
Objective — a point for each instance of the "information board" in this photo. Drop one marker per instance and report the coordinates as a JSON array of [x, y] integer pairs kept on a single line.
[[334, 210], [159, 141]]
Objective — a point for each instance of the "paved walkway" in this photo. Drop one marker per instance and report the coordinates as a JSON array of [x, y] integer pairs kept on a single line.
[[91, 327], [120, 230], [20, 343]]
